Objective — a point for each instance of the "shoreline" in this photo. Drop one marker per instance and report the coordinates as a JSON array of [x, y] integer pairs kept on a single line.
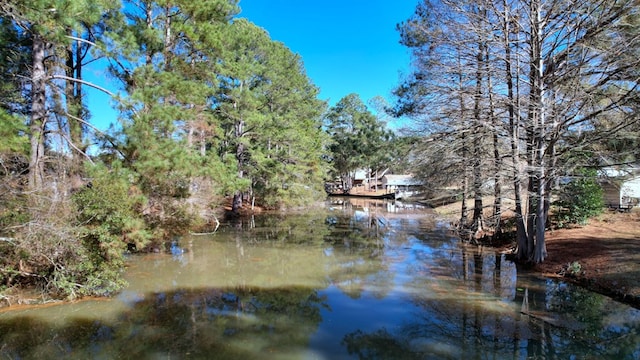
[[602, 256], [607, 250]]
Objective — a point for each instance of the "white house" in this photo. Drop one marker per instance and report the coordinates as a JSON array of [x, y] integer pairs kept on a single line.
[[403, 185], [621, 187]]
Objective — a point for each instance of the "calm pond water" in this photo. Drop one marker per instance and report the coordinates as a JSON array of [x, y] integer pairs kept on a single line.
[[360, 279]]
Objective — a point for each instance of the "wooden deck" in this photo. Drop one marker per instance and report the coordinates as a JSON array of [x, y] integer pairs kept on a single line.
[[370, 193]]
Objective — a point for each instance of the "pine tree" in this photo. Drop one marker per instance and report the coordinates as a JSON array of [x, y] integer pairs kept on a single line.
[[358, 138], [270, 120], [173, 49], [287, 167], [48, 28]]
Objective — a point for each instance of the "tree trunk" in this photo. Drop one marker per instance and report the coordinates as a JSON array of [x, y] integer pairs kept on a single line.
[[497, 160], [538, 149], [464, 211], [237, 197], [477, 143], [236, 205], [38, 121], [74, 106], [477, 185], [168, 43], [514, 130], [149, 22]]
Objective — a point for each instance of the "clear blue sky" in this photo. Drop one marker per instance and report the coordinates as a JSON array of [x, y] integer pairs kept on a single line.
[[347, 46]]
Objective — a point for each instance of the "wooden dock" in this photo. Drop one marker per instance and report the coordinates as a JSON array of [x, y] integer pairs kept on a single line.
[[368, 193]]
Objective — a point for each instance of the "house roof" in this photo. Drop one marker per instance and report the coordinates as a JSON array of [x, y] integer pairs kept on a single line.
[[361, 174], [618, 172], [398, 180]]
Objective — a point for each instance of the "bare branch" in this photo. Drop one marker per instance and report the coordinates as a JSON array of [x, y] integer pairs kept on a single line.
[[81, 40], [63, 77]]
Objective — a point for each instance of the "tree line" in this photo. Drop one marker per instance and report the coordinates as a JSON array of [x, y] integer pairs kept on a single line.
[[210, 110], [511, 96]]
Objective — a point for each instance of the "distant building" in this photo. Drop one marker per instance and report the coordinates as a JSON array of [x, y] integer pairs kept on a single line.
[[404, 186], [621, 186], [360, 177]]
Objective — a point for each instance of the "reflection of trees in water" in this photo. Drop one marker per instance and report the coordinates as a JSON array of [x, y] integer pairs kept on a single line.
[[356, 243], [348, 248], [357, 255], [366, 239], [379, 344], [479, 314], [469, 302], [613, 333], [356, 230], [208, 323], [273, 247], [378, 214], [300, 228]]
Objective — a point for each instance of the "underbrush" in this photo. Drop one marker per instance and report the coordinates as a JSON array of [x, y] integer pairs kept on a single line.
[[71, 246], [70, 243], [47, 253]]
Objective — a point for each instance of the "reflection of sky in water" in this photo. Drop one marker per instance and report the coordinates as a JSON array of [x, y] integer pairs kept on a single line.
[[346, 315]]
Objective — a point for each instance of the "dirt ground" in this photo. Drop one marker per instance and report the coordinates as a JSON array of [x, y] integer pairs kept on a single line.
[[608, 251]]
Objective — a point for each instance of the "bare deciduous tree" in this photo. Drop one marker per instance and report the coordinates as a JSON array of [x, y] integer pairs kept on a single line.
[[533, 79]]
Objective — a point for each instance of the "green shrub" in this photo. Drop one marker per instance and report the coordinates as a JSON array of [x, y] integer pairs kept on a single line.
[[574, 268], [580, 199], [109, 220], [71, 247]]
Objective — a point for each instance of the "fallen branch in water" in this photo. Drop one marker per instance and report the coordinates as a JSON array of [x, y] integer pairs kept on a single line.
[[208, 233]]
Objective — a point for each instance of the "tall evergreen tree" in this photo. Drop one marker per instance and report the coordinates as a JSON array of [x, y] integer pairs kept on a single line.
[[238, 105], [286, 165], [357, 138], [170, 75], [47, 26], [15, 55], [270, 118]]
